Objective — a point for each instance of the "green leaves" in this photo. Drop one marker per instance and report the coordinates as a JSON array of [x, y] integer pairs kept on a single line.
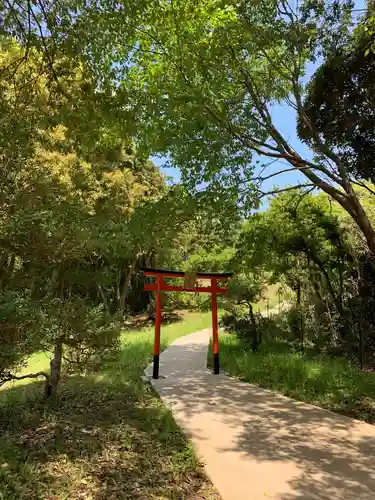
[[298, 240], [70, 189], [20, 330], [245, 288], [341, 103]]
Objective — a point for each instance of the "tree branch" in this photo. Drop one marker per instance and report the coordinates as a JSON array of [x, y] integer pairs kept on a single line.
[[289, 188], [319, 144], [283, 146], [303, 195], [275, 174], [50, 62], [362, 184], [321, 183], [9, 377], [272, 162]]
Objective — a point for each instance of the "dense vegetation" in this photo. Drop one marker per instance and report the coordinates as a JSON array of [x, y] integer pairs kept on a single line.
[[92, 92], [107, 436], [75, 229]]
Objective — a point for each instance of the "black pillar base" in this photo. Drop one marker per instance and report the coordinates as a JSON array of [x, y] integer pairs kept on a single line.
[[155, 371], [216, 364]]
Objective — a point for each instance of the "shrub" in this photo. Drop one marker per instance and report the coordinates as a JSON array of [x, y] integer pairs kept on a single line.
[[80, 335], [244, 328], [20, 331]]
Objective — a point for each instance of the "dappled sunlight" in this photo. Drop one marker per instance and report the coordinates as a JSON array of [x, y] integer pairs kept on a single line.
[[309, 453], [98, 440], [37, 362], [107, 436], [327, 382]]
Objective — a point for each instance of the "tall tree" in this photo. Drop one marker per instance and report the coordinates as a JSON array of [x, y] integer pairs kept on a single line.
[[340, 101], [299, 239], [204, 77], [72, 218], [201, 78]]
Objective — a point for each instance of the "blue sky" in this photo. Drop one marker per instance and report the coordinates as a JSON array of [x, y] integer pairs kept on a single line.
[[285, 120]]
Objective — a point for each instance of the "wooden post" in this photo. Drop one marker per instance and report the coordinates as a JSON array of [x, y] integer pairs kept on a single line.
[[158, 312], [215, 333]]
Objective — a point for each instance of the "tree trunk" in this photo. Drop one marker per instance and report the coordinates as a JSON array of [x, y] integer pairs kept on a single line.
[[126, 286], [361, 345], [299, 306], [125, 289], [251, 314], [364, 223], [52, 283], [341, 281], [256, 340], [6, 268], [298, 293], [3, 273], [103, 297], [54, 378], [349, 202], [331, 289]]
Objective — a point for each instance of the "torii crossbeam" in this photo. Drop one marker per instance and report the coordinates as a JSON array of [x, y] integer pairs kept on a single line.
[[160, 286]]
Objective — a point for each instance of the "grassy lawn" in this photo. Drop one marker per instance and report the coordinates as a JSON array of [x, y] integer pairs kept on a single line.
[[331, 383], [107, 437]]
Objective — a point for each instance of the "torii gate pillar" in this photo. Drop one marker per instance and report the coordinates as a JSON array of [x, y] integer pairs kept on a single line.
[[159, 286]]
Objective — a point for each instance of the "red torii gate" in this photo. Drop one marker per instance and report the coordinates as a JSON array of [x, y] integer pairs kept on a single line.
[[160, 286]]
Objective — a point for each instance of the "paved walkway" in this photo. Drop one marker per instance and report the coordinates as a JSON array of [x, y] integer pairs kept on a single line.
[[260, 445]]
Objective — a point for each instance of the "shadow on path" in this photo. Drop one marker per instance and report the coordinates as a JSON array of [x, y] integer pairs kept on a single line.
[[107, 437], [258, 444]]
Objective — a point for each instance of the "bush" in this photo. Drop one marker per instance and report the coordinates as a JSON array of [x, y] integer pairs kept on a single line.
[[20, 331], [244, 328], [191, 301], [90, 336], [81, 336]]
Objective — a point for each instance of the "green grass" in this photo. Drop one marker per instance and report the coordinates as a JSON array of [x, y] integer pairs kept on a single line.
[[190, 322], [331, 383], [108, 436]]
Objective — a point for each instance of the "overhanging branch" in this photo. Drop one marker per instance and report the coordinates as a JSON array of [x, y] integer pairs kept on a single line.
[[289, 188], [275, 174], [9, 376], [363, 185]]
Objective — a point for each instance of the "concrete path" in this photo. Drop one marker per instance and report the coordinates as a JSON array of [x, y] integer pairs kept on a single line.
[[260, 445]]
